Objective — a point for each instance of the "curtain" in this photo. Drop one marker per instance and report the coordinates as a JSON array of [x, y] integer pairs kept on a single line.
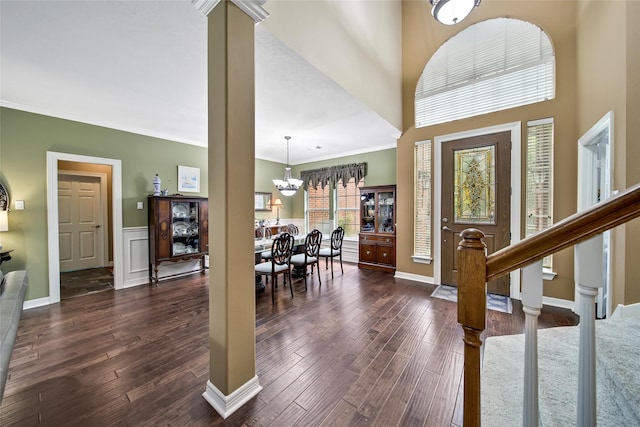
[[334, 174]]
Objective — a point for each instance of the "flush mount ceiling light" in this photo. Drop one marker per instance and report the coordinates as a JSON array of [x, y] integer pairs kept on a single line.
[[287, 186], [450, 12]]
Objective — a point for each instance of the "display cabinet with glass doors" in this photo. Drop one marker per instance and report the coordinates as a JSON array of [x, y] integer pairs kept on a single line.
[[377, 239], [178, 231]]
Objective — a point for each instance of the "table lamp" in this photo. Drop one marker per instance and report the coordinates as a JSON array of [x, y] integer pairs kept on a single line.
[[4, 222], [277, 203]]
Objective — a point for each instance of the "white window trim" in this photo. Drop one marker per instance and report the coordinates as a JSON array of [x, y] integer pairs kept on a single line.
[[420, 259], [548, 274]]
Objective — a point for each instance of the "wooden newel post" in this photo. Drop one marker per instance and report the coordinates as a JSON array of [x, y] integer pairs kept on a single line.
[[472, 303]]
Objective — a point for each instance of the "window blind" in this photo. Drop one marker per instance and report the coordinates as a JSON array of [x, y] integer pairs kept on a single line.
[[348, 206], [422, 199], [317, 209], [539, 185], [493, 65]]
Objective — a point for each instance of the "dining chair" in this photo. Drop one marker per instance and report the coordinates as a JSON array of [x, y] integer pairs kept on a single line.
[[280, 263], [309, 256], [335, 249], [293, 229], [266, 255], [263, 233]]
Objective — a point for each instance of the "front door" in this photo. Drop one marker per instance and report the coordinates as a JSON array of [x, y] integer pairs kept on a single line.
[[476, 188], [79, 222]]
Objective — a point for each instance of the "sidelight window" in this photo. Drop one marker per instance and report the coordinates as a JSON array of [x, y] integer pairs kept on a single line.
[[539, 197], [422, 202]]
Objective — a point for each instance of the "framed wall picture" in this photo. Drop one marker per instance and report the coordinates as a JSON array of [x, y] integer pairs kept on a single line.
[[4, 198], [188, 179], [262, 201]]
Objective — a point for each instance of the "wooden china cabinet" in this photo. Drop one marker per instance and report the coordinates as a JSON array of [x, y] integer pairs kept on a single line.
[[377, 238], [178, 231]]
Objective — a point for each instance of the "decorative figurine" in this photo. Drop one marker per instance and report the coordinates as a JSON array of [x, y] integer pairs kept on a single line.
[[156, 185]]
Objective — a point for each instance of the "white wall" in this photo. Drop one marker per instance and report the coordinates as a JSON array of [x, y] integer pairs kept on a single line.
[[356, 43]]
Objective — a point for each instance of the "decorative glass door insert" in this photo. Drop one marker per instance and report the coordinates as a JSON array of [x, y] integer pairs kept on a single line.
[[475, 185]]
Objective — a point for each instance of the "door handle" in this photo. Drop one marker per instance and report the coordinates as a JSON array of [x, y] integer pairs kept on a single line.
[[445, 228], [96, 226]]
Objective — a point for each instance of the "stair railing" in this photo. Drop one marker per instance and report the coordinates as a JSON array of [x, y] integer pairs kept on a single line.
[[475, 269]]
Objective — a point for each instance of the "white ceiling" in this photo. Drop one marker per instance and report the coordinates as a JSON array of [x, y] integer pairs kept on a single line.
[[140, 66]]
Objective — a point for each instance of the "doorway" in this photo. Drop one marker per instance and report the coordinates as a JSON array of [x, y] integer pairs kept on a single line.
[[595, 184], [515, 134], [476, 187], [115, 234], [83, 228]]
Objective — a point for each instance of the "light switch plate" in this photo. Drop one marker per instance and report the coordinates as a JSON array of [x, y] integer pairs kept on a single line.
[[19, 204], [140, 205]]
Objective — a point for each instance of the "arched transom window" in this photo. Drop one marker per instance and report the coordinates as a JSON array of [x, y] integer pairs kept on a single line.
[[490, 66]]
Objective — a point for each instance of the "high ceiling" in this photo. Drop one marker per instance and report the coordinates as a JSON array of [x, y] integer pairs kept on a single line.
[[141, 66]]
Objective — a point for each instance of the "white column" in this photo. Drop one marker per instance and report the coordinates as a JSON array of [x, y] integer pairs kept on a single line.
[[589, 277], [532, 303], [231, 158]]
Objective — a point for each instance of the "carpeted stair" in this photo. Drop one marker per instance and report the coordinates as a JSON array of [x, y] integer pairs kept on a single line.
[[617, 376]]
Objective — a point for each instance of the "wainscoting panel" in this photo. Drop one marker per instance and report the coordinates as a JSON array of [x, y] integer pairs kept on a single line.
[[349, 248], [136, 259], [136, 256]]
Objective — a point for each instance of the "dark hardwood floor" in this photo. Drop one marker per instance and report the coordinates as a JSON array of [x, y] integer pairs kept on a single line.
[[365, 349], [82, 282]]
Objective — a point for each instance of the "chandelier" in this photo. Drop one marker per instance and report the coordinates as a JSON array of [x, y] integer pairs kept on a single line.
[[450, 12], [287, 186]]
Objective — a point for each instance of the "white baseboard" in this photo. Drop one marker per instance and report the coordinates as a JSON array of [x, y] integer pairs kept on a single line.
[[625, 311], [33, 303], [415, 277], [557, 302], [227, 405]]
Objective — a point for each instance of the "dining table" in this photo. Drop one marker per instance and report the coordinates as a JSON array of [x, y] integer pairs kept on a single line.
[[261, 245]]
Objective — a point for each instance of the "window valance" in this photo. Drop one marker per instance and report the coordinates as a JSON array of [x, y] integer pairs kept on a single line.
[[334, 174]]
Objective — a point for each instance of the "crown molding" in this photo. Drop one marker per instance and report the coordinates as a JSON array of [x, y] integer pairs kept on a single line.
[[253, 8], [205, 6]]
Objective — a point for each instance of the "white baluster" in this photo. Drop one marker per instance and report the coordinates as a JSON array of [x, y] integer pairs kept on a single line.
[[589, 277], [531, 303]]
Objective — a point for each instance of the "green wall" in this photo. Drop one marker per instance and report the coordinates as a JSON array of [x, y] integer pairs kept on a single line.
[[25, 138], [265, 172]]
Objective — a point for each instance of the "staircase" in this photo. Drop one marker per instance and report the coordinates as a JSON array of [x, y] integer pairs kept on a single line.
[[617, 376], [607, 374]]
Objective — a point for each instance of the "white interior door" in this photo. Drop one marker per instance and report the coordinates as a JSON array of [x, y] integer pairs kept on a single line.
[[80, 231]]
